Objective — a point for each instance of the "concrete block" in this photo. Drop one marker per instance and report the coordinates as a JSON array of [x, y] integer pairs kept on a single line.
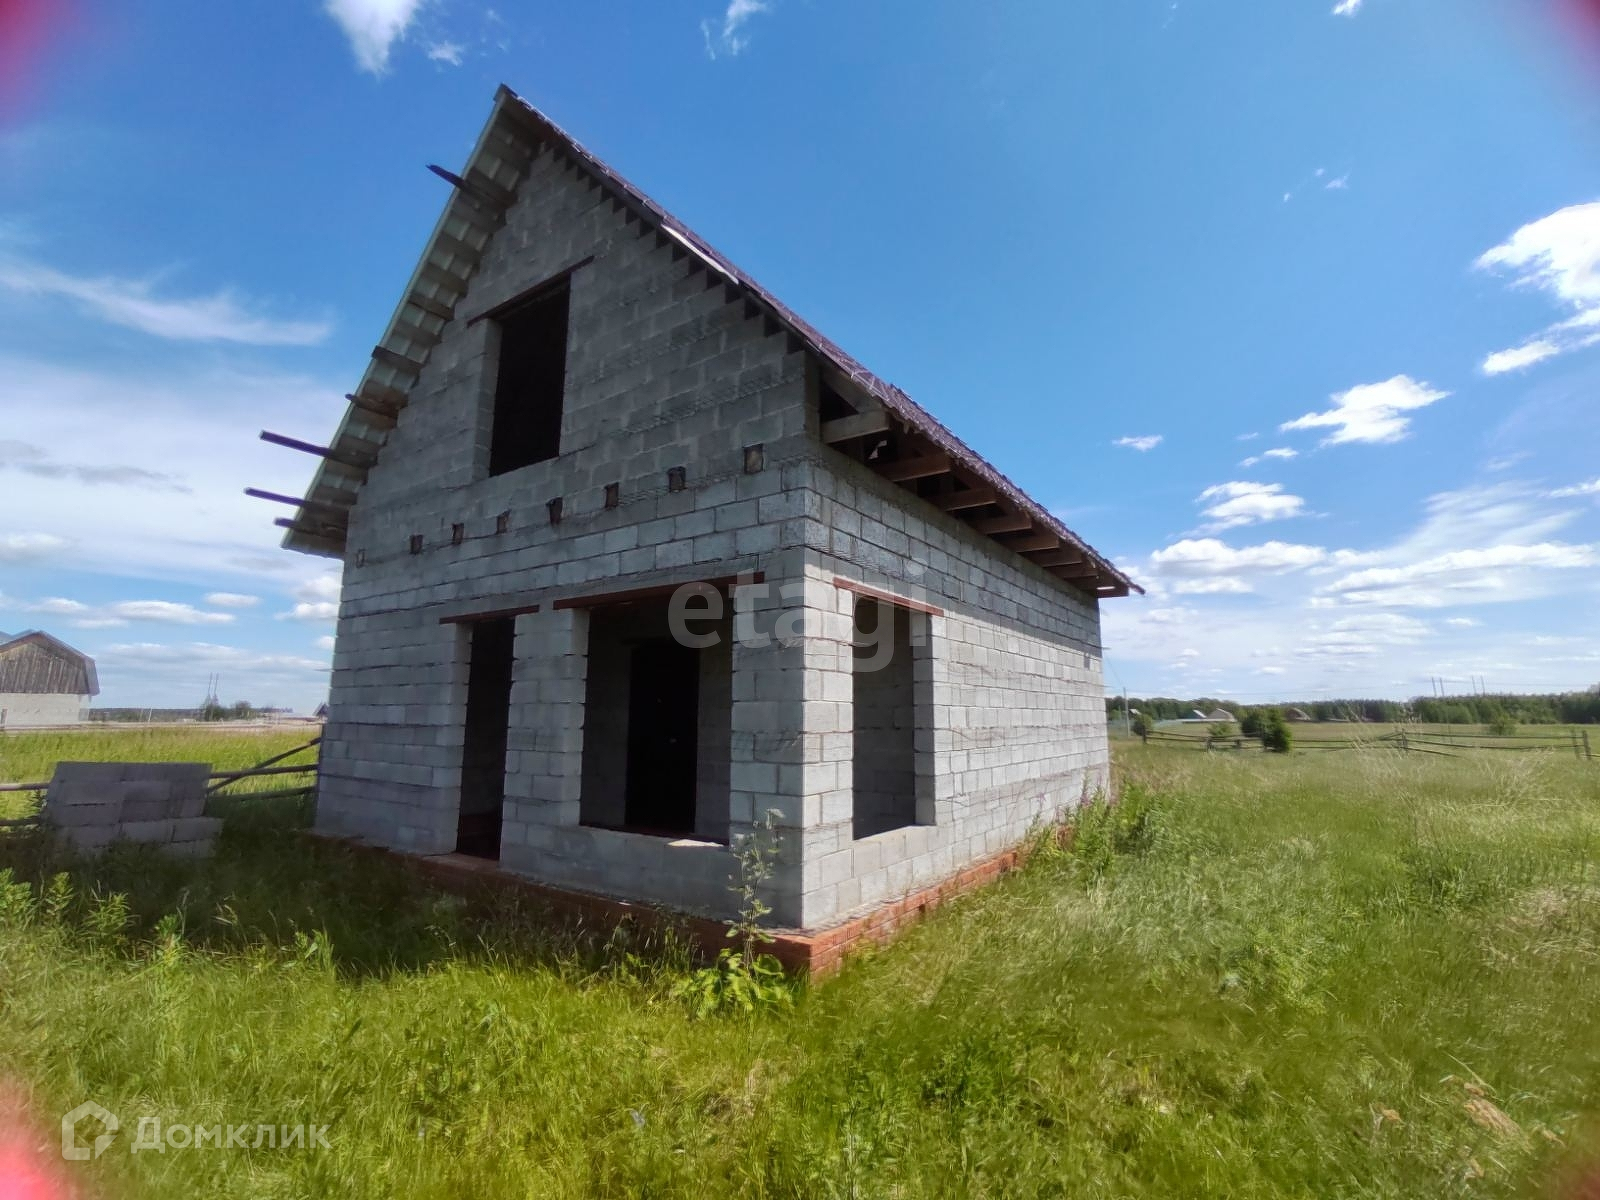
[[148, 831]]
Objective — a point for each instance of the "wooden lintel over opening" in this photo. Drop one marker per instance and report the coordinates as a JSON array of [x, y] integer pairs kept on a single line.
[[528, 295], [872, 593], [393, 358], [657, 592], [906, 469], [1111, 590], [359, 463], [1034, 542], [493, 614], [976, 497], [859, 425], [1010, 523]]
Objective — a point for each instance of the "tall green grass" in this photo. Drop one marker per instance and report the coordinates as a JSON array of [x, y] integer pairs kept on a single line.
[[1355, 975]]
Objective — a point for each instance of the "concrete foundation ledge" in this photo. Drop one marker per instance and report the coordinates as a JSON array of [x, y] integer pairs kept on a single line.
[[816, 953]]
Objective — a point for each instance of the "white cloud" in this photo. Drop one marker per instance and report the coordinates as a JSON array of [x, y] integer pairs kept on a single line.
[[320, 587], [325, 642], [1230, 505], [325, 610], [1592, 488], [1560, 256], [1458, 577], [1280, 452], [1520, 357], [1202, 557], [129, 303], [1370, 413], [1462, 622], [730, 38], [318, 600], [28, 547], [202, 426], [1340, 184], [1347, 8], [1141, 444], [122, 612], [373, 27], [231, 600], [1220, 586], [36, 461], [446, 52]]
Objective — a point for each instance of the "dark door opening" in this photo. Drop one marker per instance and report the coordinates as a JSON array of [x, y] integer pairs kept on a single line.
[[483, 757], [663, 728]]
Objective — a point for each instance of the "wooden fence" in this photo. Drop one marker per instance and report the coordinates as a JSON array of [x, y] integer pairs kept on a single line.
[[1450, 743]]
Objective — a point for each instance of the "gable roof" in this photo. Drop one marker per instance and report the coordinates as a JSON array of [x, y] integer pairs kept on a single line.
[[514, 135], [35, 663]]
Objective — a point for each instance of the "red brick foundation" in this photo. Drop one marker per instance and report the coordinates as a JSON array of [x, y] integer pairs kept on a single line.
[[816, 954]]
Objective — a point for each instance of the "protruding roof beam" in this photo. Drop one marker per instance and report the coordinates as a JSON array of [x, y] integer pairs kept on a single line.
[[859, 425], [357, 462]]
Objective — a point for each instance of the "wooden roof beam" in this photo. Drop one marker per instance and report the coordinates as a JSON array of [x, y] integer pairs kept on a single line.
[[1066, 556], [904, 470], [356, 462], [977, 497], [861, 424], [1010, 523], [1035, 542]]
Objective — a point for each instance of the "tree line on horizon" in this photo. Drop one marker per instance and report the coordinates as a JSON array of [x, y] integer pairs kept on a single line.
[[1550, 708]]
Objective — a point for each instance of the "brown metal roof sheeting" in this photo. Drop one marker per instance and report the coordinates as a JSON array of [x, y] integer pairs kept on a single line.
[[519, 113], [34, 663]]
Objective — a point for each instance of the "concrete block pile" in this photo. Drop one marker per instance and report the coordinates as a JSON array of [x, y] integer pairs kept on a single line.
[[162, 804]]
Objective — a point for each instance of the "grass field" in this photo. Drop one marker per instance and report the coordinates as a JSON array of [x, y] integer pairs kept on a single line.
[[1363, 974]]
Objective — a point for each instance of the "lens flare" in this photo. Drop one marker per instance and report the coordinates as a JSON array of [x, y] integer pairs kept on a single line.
[[27, 29]]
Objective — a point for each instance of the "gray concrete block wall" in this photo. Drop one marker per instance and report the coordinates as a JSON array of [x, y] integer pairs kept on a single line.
[[664, 372], [1015, 730]]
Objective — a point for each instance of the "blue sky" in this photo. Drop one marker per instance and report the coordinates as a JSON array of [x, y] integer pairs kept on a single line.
[[1288, 308]]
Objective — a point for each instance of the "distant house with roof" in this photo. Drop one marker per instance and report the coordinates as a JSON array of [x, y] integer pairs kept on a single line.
[[44, 681]]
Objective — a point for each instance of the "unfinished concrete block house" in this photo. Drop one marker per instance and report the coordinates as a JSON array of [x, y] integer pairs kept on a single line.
[[578, 408]]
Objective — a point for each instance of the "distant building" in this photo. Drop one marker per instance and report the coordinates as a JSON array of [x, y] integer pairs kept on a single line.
[[44, 681], [1298, 714], [1220, 714]]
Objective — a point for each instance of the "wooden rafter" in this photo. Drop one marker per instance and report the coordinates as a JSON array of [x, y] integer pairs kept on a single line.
[[903, 470], [1010, 523], [858, 425], [356, 462], [977, 497]]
